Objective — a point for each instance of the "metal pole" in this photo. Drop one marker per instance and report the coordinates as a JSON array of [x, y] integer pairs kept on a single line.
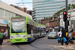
[[48, 21], [58, 20], [66, 22], [66, 6]]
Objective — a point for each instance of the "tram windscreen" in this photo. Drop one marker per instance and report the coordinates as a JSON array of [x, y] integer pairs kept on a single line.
[[18, 25]]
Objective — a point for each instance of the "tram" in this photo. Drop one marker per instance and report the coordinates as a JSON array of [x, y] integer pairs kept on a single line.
[[23, 29]]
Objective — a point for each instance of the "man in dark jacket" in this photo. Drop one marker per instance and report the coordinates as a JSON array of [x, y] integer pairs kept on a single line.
[[64, 36], [1, 38], [63, 32]]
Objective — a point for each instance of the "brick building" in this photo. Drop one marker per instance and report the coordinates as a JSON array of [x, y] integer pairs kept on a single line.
[[45, 21], [51, 21], [23, 9], [30, 12], [17, 7]]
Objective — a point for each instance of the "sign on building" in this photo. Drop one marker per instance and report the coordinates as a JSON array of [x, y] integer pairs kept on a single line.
[[4, 21]]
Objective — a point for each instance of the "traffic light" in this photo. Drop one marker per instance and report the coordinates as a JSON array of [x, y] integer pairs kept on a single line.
[[64, 16]]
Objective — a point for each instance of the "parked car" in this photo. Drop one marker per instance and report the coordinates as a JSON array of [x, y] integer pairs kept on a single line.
[[52, 34]]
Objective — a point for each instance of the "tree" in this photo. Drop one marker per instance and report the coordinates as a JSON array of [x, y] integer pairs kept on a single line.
[[73, 5]]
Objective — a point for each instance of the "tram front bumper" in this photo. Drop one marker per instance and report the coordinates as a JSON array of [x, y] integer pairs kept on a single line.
[[17, 40]]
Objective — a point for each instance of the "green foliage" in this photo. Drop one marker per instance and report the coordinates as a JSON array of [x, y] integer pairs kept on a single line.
[[60, 11], [73, 5]]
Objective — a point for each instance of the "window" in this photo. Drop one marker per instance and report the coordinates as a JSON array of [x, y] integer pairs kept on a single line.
[[8, 14], [1, 13], [18, 25], [28, 28]]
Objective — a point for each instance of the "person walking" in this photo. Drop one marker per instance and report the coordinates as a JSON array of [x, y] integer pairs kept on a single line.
[[1, 38], [59, 36], [5, 34], [46, 31]]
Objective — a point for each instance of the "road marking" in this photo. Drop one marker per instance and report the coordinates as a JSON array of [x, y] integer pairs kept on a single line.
[[58, 48], [54, 46], [3, 45]]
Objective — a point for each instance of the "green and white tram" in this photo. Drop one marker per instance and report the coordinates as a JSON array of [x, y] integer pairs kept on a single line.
[[23, 29]]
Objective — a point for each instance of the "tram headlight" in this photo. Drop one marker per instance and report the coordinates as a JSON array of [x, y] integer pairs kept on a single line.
[[24, 36], [12, 37]]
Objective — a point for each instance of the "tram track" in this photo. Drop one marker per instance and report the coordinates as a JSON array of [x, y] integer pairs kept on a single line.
[[29, 45], [20, 47], [6, 43], [35, 47]]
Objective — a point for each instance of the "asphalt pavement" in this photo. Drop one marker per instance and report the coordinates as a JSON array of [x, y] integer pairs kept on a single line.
[[39, 44]]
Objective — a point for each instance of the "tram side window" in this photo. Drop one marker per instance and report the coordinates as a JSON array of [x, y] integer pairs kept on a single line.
[[44, 30], [37, 30], [29, 29], [34, 30]]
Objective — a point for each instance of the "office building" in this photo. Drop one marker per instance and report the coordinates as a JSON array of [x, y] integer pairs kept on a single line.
[[47, 8]]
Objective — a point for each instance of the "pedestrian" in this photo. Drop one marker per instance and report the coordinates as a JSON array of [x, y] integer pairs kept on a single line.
[[59, 36], [46, 31], [5, 34], [73, 35], [64, 37], [1, 38]]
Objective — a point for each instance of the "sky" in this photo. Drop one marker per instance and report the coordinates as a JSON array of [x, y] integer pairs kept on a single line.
[[27, 5]]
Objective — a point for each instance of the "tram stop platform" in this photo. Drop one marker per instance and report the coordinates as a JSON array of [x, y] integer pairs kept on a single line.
[[5, 41]]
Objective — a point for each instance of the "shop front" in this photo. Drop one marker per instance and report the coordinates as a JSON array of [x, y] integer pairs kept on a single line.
[[4, 27]]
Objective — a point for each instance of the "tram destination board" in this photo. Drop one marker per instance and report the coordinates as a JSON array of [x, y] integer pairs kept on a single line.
[[18, 19]]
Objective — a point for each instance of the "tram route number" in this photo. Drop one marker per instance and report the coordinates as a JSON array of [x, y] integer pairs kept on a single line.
[[18, 35]]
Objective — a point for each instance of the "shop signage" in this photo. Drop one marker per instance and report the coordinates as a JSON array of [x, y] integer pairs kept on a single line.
[[4, 21]]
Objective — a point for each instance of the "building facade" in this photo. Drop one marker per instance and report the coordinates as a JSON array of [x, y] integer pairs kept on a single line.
[[22, 9], [51, 21], [17, 7], [46, 8], [30, 12], [72, 18]]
